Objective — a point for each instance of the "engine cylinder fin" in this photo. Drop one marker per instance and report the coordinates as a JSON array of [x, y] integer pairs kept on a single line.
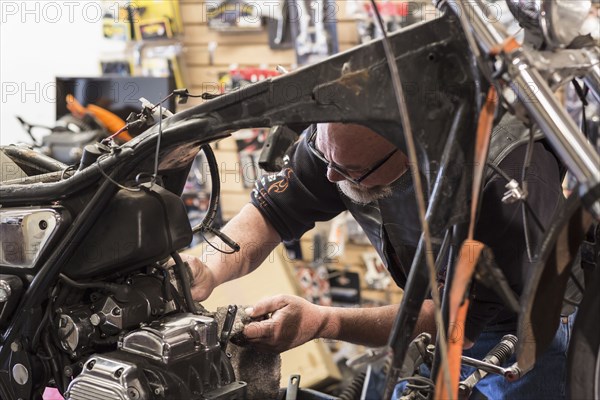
[[88, 391]]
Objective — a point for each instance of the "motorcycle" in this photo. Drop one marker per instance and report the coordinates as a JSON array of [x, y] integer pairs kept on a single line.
[[88, 306], [73, 131]]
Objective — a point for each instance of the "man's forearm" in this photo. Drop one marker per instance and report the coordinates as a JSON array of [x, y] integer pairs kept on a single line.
[[370, 326], [256, 237]]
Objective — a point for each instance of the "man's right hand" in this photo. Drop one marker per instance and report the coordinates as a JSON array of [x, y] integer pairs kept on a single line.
[[203, 281]]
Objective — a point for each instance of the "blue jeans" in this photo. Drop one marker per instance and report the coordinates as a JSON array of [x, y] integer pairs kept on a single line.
[[546, 381]]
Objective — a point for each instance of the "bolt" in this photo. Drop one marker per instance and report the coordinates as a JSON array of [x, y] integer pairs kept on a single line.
[[133, 393], [91, 364], [96, 319], [68, 371], [4, 295], [119, 372], [16, 346], [62, 322], [43, 225], [116, 311]]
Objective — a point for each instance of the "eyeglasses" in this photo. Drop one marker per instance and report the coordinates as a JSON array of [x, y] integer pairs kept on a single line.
[[313, 148]]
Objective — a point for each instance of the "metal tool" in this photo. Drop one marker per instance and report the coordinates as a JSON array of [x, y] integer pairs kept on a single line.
[[227, 326], [491, 364]]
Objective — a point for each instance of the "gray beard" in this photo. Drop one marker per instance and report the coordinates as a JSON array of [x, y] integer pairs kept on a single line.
[[363, 195]]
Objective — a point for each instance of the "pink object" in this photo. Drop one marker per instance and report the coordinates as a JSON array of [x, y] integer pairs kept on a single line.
[[52, 394]]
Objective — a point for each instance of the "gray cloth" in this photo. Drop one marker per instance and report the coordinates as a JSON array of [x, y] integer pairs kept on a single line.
[[260, 370]]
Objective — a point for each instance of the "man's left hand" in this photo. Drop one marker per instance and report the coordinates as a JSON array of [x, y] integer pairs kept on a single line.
[[291, 322]]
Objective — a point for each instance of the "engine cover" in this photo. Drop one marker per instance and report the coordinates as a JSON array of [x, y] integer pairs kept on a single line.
[[175, 357], [173, 338], [108, 378]]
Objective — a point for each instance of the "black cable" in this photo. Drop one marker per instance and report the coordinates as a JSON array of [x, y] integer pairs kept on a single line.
[[184, 281], [160, 103], [213, 206], [38, 331], [420, 388], [582, 94], [524, 208], [158, 140], [184, 94], [121, 292], [420, 379], [507, 178], [78, 285], [168, 295], [208, 96], [70, 167], [226, 239], [54, 362], [215, 247], [499, 171], [215, 183], [130, 189]]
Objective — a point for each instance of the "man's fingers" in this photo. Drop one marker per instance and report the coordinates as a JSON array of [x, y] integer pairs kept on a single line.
[[260, 330], [267, 306]]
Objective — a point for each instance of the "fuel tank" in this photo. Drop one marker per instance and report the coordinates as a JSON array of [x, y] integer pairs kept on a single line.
[[137, 227]]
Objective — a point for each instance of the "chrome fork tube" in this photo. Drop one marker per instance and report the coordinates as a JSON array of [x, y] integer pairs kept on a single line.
[[544, 109], [560, 129]]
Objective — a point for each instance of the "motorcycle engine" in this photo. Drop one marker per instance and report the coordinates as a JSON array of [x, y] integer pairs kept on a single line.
[[176, 357], [153, 351]]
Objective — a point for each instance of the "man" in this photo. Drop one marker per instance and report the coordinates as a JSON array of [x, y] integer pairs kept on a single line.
[[337, 167]]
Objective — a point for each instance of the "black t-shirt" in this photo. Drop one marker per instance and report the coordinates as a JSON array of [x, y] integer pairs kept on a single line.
[[298, 196]]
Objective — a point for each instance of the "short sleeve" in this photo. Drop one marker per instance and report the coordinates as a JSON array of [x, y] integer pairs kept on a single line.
[[299, 195]]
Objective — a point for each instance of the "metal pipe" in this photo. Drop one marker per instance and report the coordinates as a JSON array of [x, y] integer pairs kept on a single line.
[[592, 78], [560, 129], [484, 366], [488, 37], [565, 137]]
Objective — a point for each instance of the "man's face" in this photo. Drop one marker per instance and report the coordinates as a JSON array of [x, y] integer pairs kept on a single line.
[[353, 151]]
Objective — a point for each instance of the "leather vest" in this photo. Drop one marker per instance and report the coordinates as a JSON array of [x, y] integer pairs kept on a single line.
[[393, 225]]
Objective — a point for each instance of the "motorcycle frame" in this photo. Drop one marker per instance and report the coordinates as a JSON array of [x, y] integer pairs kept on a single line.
[[352, 87]]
